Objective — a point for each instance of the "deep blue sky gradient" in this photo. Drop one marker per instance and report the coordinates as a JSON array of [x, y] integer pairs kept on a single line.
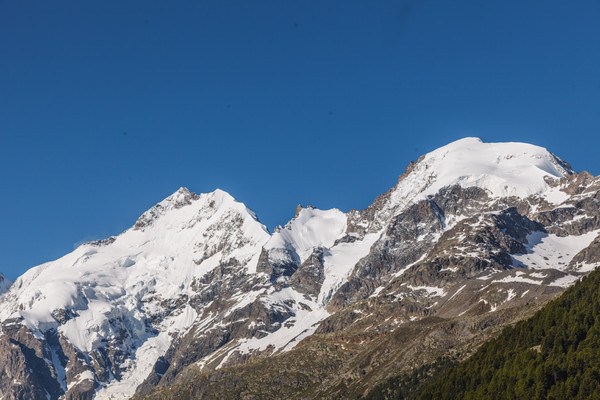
[[108, 107]]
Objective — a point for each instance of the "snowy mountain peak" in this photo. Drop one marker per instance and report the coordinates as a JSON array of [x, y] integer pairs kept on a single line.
[[311, 228], [501, 169], [180, 198], [472, 151], [202, 206], [180, 239], [494, 166]]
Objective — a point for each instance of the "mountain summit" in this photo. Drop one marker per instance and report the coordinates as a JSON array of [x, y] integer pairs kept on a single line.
[[502, 169], [470, 231]]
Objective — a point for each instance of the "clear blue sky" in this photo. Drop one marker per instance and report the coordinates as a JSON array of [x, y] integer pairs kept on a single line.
[[108, 107]]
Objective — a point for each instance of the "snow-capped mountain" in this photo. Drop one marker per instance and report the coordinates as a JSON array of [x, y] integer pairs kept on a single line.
[[198, 283]]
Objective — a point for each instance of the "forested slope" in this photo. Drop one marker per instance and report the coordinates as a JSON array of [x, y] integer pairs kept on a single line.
[[553, 355]]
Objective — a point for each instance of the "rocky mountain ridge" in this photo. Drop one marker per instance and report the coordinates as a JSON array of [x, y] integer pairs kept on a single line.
[[198, 285]]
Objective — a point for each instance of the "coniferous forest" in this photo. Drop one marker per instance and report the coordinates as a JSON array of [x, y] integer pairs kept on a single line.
[[553, 355]]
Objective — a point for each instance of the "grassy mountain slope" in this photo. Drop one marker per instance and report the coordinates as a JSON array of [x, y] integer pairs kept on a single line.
[[344, 365], [553, 355]]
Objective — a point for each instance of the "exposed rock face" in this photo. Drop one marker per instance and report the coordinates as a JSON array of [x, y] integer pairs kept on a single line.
[[252, 320], [410, 236], [407, 237], [372, 218], [590, 257], [180, 198], [471, 237], [309, 277], [280, 268], [25, 375]]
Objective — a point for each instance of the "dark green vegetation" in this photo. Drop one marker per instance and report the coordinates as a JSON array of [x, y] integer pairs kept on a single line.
[[408, 385], [553, 355]]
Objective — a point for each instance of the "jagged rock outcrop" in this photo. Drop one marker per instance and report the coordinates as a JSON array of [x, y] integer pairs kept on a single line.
[[309, 277]]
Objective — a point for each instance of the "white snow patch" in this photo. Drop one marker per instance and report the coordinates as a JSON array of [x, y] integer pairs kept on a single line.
[[538, 275], [551, 251], [488, 276], [492, 306], [61, 374], [377, 291], [145, 357], [457, 292], [339, 262], [84, 376], [302, 325], [310, 229], [520, 279], [555, 196], [431, 290], [403, 270], [585, 267], [511, 295], [565, 281]]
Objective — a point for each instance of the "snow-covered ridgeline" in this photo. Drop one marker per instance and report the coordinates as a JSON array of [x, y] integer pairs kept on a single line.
[[310, 229], [100, 281], [502, 169], [129, 278]]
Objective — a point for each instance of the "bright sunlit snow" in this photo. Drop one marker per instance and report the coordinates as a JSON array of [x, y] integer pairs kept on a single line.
[[181, 238], [551, 251], [310, 229], [502, 169]]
